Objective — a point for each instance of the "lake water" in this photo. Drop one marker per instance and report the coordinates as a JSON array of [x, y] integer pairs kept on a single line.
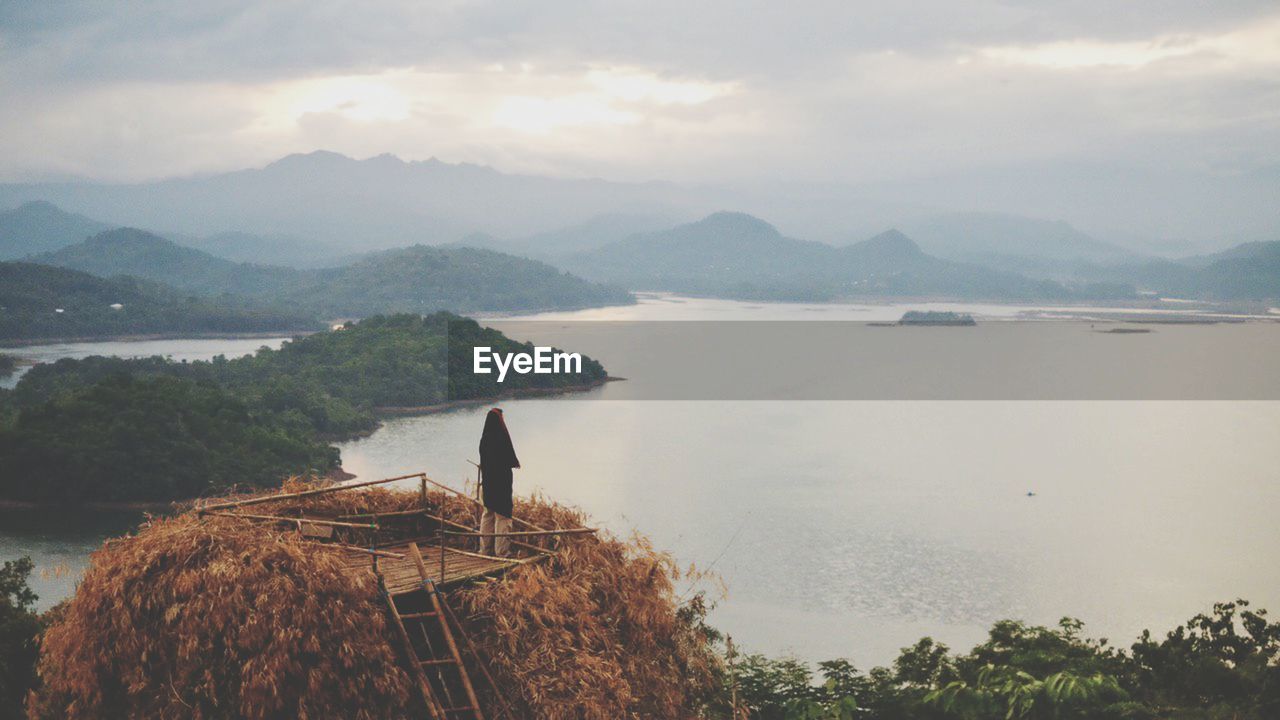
[[180, 350], [852, 528]]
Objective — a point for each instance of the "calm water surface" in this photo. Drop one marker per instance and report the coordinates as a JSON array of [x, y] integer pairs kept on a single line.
[[853, 528], [180, 350]]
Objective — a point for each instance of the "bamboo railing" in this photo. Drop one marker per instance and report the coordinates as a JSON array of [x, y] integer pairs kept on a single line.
[[445, 528]]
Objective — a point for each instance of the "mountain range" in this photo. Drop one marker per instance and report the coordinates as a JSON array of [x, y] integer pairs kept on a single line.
[[742, 256], [359, 205], [417, 279], [968, 256], [337, 206]]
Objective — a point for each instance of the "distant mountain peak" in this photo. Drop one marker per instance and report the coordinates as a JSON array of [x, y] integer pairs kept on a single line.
[[39, 206], [386, 159], [327, 158], [128, 236], [737, 222], [45, 210], [38, 226], [892, 240]]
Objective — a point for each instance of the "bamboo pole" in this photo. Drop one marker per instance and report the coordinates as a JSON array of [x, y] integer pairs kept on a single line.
[[296, 520], [391, 514], [304, 493], [479, 495], [451, 523], [416, 554], [438, 603], [356, 548], [440, 530], [507, 712], [433, 706], [526, 533], [468, 553], [373, 545], [461, 494]]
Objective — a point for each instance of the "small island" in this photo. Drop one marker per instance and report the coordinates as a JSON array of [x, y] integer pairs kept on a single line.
[[933, 317]]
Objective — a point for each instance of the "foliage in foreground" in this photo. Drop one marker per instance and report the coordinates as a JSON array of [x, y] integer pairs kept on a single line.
[[1224, 665], [19, 628]]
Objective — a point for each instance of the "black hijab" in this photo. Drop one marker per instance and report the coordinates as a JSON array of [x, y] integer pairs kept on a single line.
[[496, 451]]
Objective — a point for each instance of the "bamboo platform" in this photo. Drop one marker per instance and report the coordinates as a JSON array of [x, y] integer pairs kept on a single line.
[[401, 573], [413, 574]]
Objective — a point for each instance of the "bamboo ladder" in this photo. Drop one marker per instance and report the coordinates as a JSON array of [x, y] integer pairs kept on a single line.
[[442, 675]]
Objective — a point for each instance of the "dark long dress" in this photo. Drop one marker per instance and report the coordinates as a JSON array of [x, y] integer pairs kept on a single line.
[[497, 458]]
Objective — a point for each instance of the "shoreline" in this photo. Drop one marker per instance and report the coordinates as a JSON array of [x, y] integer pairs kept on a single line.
[[144, 337], [524, 393]]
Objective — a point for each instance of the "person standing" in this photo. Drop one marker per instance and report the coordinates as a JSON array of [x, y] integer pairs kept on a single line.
[[497, 460]]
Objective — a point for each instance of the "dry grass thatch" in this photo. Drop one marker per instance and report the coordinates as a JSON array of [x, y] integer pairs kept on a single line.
[[219, 618]]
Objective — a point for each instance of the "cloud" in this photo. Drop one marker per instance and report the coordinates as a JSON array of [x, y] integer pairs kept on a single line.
[[868, 95], [1255, 45]]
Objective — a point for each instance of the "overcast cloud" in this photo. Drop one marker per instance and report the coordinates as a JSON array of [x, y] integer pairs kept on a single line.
[[1152, 119]]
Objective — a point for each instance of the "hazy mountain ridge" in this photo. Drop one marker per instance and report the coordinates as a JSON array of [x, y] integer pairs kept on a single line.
[[999, 257], [1041, 249], [742, 256], [461, 279], [592, 234], [414, 279], [39, 226], [382, 202], [726, 246], [138, 253], [347, 206], [1250, 271], [286, 250]]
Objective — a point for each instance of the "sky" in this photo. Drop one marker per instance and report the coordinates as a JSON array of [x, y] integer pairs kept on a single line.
[[1150, 119]]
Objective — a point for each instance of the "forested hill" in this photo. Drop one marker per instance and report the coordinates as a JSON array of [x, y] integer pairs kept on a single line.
[[39, 301], [153, 429], [460, 279], [129, 251]]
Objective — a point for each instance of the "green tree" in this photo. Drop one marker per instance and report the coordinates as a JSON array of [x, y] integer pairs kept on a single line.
[[19, 637]]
